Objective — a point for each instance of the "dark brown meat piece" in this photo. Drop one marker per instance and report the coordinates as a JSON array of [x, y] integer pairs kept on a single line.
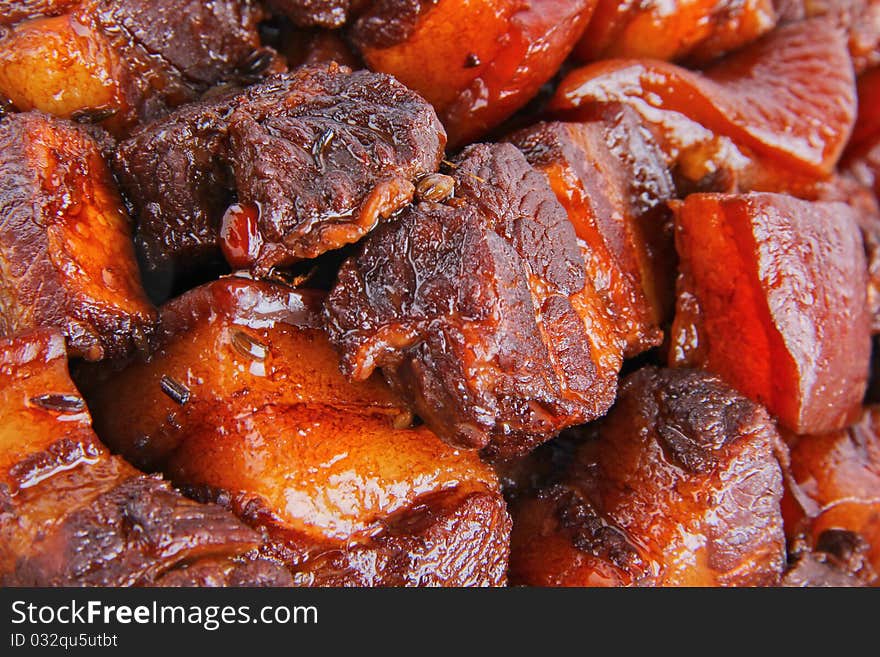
[[612, 179], [119, 62], [324, 154], [175, 175], [679, 486], [225, 572], [268, 426], [315, 158], [73, 515], [477, 310], [302, 47], [66, 258], [316, 13]]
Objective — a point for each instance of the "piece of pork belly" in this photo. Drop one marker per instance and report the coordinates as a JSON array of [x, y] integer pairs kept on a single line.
[[66, 256], [774, 116], [858, 19], [611, 177], [314, 158], [119, 62], [833, 494], [697, 30], [243, 403], [679, 485], [478, 309], [772, 295], [71, 514], [862, 156], [476, 63]]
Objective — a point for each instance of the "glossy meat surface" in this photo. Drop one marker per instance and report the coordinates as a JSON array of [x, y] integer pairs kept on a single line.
[[66, 258], [773, 297], [834, 502], [478, 312], [612, 179], [315, 158], [13, 11], [761, 118], [316, 13], [475, 62], [73, 515], [122, 61], [268, 426], [684, 29], [174, 175], [679, 486]]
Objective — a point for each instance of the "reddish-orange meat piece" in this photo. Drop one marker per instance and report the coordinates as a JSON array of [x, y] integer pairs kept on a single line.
[[763, 118], [834, 498], [694, 29], [476, 63], [243, 402], [773, 297], [71, 514]]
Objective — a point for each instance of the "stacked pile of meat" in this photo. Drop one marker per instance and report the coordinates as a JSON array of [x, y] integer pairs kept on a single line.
[[386, 293]]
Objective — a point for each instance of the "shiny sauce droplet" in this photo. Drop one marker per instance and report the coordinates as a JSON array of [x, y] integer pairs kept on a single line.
[[60, 403], [240, 238], [249, 346], [174, 389]]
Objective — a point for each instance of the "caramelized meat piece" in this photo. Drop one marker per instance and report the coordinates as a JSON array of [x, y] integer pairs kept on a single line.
[[324, 154], [316, 13], [477, 310], [476, 63], [834, 494], [762, 119], [267, 424], [695, 29], [13, 11], [315, 159], [612, 179], [118, 62], [175, 175], [772, 296], [73, 515], [66, 258], [680, 486]]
